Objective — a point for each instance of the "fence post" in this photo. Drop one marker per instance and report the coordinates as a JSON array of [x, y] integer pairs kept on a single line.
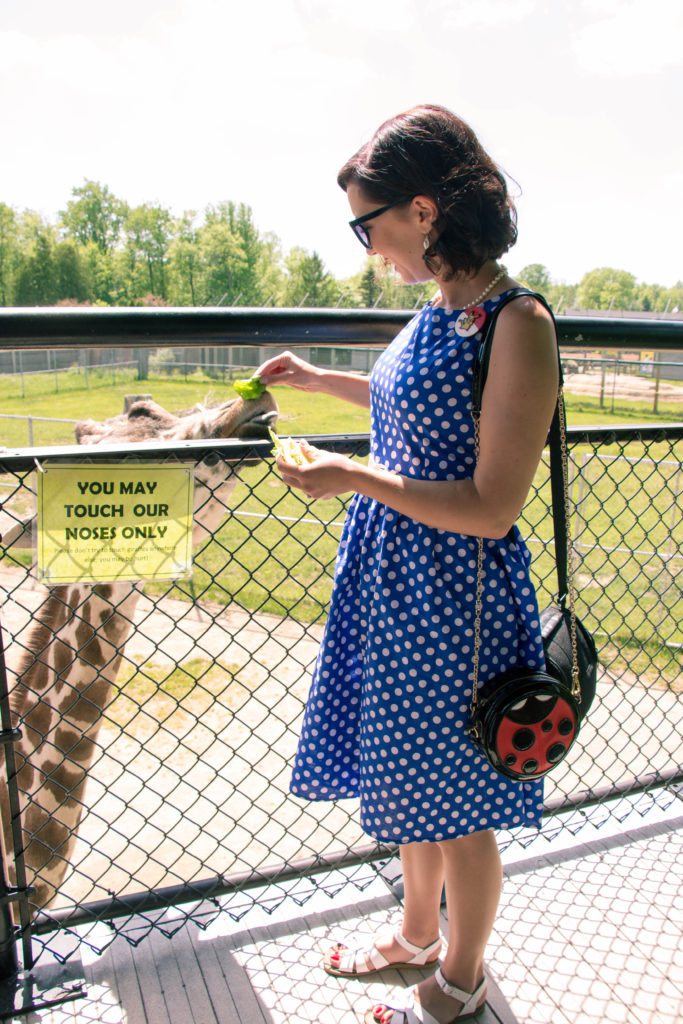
[[658, 377], [9, 961]]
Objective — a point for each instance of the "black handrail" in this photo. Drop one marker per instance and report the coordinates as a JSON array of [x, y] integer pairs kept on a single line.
[[18, 460], [124, 327]]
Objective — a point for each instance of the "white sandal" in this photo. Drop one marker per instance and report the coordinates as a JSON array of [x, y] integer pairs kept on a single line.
[[415, 1013], [356, 963]]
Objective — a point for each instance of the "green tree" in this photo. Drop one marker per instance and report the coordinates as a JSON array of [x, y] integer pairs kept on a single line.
[[674, 298], [606, 288], [536, 277], [37, 276], [72, 280], [370, 289], [9, 254], [184, 261], [269, 274], [223, 261], [94, 215], [308, 283], [148, 237]]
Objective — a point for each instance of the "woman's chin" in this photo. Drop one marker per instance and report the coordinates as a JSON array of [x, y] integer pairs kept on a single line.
[[410, 277]]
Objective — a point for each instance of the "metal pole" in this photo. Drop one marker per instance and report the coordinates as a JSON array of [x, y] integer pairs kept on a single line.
[[658, 377], [8, 934]]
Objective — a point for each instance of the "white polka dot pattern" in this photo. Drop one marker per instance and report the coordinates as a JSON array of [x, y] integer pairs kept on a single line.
[[389, 702]]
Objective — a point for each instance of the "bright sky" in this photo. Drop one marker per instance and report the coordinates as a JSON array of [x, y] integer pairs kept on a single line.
[[190, 102]]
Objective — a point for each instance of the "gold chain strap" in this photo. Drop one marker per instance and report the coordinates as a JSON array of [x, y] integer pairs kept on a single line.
[[576, 683]]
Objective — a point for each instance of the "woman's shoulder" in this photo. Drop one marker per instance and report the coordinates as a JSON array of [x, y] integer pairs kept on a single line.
[[524, 311]]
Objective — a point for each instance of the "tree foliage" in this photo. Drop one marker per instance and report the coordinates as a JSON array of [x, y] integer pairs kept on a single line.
[[94, 215], [105, 252]]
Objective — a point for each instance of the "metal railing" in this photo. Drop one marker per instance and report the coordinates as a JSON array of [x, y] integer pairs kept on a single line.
[[191, 734]]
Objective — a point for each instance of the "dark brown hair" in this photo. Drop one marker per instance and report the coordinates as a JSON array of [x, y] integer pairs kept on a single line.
[[429, 151]]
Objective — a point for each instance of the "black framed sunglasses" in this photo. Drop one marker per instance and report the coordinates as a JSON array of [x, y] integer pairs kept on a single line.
[[357, 224]]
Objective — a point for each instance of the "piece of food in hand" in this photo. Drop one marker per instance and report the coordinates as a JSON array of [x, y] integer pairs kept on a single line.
[[290, 450], [249, 389]]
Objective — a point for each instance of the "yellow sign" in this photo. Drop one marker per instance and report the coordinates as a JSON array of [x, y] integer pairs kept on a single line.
[[102, 523]]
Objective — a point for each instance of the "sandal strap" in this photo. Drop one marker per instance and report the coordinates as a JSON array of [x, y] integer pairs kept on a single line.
[[366, 959], [418, 953], [468, 999]]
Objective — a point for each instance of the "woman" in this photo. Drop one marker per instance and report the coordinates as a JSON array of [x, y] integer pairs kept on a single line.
[[388, 707]]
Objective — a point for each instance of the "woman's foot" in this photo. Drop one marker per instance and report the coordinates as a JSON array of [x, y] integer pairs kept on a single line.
[[389, 951], [434, 999]]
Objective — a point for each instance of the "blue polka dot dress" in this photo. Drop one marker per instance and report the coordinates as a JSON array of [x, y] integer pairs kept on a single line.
[[389, 702]]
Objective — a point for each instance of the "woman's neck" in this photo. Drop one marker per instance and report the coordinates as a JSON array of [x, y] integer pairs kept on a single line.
[[462, 291]]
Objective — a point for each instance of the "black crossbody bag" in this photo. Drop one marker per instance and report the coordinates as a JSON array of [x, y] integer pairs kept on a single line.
[[526, 720]]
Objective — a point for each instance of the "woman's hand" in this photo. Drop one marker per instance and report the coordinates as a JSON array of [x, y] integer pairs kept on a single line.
[[326, 474], [289, 369]]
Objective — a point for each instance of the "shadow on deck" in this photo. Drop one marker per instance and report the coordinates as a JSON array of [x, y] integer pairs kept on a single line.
[[587, 934]]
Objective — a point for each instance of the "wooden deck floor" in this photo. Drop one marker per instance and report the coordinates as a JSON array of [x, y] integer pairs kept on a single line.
[[591, 935]]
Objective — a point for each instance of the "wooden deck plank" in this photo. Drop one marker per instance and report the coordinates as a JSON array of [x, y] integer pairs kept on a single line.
[[190, 970], [218, 991], [118, 962], [223, 973], [153, 1002], [170, 979]]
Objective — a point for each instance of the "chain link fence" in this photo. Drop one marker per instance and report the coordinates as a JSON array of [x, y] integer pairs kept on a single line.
[[176, 788]]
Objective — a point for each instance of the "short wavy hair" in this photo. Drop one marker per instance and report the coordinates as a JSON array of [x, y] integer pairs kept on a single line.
[[430, 151]]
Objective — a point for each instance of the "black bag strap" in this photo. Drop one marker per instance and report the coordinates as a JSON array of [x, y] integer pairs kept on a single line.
[[557, 470]]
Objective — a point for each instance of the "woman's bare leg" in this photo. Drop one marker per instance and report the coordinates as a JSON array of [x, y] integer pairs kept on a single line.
[[423, 877], [422, 865], [473, 876]]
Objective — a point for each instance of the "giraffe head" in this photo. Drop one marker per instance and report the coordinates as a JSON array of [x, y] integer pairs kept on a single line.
[[215, 476], [145, 420]]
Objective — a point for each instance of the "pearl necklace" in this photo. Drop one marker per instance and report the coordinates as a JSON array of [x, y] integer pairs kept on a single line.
[[473, 316], [501, 273]]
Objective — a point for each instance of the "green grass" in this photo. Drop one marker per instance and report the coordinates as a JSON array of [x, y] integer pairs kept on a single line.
[[150, 695], [300, 413], [585, 410], [285, 568]]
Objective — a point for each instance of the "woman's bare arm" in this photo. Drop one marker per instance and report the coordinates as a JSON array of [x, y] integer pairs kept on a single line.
[[519, 399], [289, 369]]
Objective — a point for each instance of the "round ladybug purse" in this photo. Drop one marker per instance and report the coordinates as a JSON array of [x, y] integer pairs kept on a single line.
[[526, 720]]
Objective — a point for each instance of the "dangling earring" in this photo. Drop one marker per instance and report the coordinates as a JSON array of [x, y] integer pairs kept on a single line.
[[426, 244]]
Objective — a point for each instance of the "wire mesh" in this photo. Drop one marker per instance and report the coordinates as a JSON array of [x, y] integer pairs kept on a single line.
[[176, 787]]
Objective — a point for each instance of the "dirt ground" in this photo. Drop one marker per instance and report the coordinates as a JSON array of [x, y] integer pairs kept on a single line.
[[197, 787], [625, 386]]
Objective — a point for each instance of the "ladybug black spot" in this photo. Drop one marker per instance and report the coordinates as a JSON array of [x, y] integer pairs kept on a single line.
[[523, 739], [530, 766], [547, 726], [565, 727], [556, 752]]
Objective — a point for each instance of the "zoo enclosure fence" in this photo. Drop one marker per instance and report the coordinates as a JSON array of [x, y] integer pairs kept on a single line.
[[187, 794]]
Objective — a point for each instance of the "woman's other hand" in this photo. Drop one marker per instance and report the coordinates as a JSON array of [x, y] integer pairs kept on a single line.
[[325, 475], [288, 369]]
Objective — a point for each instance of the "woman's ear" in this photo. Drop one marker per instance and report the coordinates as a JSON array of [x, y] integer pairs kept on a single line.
[[427, 210]]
